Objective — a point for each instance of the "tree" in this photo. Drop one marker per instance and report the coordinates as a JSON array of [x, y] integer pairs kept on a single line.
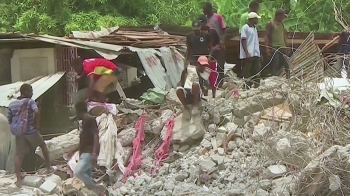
[[62, 17]]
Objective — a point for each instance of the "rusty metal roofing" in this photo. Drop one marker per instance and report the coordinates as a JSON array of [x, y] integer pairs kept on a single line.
[[10, 92]]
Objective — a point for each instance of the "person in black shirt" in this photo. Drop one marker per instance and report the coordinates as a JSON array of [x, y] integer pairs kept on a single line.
[[198, 43]]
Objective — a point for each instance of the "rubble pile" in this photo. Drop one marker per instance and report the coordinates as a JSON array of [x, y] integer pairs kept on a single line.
[[262, 141]]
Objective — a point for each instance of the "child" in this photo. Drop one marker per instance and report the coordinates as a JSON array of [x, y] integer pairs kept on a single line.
[[190, 90]]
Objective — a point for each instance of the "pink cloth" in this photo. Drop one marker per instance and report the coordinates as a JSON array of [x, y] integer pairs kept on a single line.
[[235, 93], [136, 159], [163, 151], [213, 77]]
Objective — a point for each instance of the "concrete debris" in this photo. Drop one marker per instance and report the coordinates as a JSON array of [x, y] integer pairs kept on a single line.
[[230, 149], [126, 136]]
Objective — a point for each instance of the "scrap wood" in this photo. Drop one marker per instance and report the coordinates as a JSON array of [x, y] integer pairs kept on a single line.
[[331, 43]]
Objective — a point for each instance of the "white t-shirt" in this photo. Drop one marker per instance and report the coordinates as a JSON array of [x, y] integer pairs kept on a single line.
[[251, 35]]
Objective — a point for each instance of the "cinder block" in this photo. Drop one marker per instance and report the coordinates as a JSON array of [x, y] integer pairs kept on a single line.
[[33, 181], [48, 186]]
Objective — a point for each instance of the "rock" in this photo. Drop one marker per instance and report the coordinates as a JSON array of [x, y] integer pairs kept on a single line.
[[334, 182], [123, 190], [186, 131], [232, 145], [48, 186], [265, 184], [283, 146], [176, 147], [181, 176], [220, 139], [216, 118], [126, 136], [221, 151], [160, 193], [166, 115], [231, 127], [206, 144], [212, 128], [283, 185], [239, 142], [33, 181], [274, 171], [217, 159], [207, 164], [235, 192], [156, 126], [156, 185], [259, 132], [261, 192], [184, 148], [222, 130], [169, 185]]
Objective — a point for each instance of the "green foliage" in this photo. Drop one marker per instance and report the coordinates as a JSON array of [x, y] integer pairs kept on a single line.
[[61, 17]]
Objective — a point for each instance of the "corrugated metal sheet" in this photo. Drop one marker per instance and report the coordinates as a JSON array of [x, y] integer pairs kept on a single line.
[[154, 69], [40, 85], [174, 64]]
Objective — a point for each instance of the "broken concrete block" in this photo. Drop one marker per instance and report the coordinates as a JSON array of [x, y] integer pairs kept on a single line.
[[156, 126], [126, 136], [274, 171], [231, 127], [221, 151], [218, 159], [62, 144], [259, 132], [207, 164], [283, 146], [48, 186], [181, 176], [185, 131], [222, 130], [259, 102], [33, 181], [54, 178], [220, 139], [212, 128], [265, 184], [334, 182]]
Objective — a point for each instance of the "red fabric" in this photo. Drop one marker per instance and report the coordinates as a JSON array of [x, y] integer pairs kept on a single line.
[[136, 159], [163, 151], [89, 65], [235, 93], [213, 77]]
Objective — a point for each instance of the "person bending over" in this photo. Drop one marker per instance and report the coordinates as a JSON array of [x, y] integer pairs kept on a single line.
[[100, 72]]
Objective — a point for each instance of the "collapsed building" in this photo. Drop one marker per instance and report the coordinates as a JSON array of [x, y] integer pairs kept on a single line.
[[286, 137]]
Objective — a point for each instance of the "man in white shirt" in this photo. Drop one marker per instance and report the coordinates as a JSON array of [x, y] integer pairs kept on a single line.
[[250, 51]]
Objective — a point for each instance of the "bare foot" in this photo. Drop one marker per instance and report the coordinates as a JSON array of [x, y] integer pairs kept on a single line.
[[19, 183]]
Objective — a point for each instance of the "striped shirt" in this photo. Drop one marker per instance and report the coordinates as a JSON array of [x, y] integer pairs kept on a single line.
[[32, 107]]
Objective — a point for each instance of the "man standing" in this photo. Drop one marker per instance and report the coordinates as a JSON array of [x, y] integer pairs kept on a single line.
[[253, 7], [89, 148], [276, 43], [198, 43], [250, 51], [100, 73], [216, 21], [23, 115]]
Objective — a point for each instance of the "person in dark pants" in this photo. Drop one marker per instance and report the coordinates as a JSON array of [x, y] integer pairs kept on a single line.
[[250, 51], [276, 41]]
